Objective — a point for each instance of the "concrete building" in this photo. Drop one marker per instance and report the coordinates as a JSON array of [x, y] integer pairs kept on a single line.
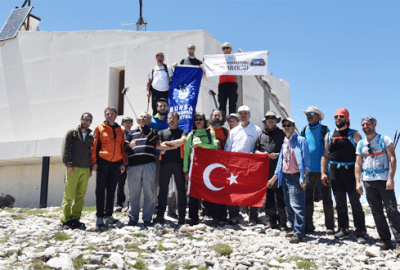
[[48, 79]]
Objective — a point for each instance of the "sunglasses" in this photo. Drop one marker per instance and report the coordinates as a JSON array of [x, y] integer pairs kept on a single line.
[[311, 113], [287, 126], [225, 48], [87, 120], [339, 116], [192, 48], [270, 117], [199, 119], [369, 149]]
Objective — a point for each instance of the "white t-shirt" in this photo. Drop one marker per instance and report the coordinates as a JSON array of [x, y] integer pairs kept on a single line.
[[371, 163], [161, 80], [242, 139]]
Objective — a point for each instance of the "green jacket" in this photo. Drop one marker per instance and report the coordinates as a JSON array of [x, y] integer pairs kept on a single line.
[[205, 143]]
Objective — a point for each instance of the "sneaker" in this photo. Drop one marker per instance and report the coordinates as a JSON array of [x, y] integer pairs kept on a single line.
[[173, 215], [158, 219], [310, 229], [112, 221], [118, 208], [386, 245], [181, 221], [296, 239], [68, 225], [283, 228], [252, 222], [147, 223], [361, 238], [342, 234], [132, 222], [193, 222], [78, 225]]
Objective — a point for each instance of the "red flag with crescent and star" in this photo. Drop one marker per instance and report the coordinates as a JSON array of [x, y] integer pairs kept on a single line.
[[229, 178]]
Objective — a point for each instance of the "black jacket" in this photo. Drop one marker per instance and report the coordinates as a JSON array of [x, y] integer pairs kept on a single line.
[[75, 151], [270, 142]]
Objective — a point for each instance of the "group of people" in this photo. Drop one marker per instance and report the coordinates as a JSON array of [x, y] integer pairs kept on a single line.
[[148, 156]]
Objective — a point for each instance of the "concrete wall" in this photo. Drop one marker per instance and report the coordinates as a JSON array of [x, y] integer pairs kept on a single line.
[[48, 79]]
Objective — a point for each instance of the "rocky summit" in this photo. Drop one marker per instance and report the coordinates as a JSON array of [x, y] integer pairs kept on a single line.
[[34, 239]]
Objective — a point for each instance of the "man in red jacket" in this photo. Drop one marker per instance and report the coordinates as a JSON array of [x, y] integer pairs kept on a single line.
[[108, 159], [227, 87]]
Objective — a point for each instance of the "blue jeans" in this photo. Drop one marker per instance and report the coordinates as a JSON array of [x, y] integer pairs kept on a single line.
[[295, 199], [141, 176]]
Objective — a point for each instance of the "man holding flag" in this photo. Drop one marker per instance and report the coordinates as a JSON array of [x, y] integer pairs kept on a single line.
[[243, 139]]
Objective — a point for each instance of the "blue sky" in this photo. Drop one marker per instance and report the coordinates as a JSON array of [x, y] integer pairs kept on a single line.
[[334, 54]]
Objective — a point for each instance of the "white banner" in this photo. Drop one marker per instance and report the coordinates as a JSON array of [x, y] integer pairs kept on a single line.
[[248, 63]]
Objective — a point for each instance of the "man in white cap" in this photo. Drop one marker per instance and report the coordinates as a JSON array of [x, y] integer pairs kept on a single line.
[[233, 120], [315, 133], [227, 87], [242, 139], [270, 141]]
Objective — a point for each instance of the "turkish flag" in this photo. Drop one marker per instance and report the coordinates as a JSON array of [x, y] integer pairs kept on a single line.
[[229, 178]]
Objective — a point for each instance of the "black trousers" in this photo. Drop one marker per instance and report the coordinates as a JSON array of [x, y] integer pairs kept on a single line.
[[344, 182], [275, 200], [194, 208], [120, 190], [227, 91], [107, 177], [217, 211], [155, 96], [376, 194], [326, 192], [166, 172]]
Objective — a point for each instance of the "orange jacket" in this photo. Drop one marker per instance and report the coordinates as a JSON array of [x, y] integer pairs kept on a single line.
[[109, 143]]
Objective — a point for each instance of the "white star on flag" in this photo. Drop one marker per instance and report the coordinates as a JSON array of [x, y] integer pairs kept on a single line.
[[232, 178]]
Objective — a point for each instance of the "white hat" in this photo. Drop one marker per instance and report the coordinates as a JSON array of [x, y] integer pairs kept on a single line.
[[226, 44], [271, 113], [243, 108], [290, 120], [315, 110]]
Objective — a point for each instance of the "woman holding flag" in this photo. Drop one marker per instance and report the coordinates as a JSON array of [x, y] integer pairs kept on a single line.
[[199, 137]]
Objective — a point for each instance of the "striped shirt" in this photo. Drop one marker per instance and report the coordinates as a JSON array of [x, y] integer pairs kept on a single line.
[[144, 151]]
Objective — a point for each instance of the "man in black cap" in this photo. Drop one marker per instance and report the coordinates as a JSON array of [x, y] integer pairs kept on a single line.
[[159, 80]]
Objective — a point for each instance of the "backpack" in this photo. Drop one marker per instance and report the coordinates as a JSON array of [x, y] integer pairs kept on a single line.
[[208, 135], [74, 134], [165, 69], [323, 131], [350, 135], [381, 144]]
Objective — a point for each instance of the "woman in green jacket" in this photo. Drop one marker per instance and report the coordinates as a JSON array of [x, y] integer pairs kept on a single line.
[[199, 137]]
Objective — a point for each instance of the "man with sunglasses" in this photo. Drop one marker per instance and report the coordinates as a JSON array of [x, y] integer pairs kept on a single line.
[[376, 166], [340, 153], [76, 151], [158, 81], [270, 141], [191, 58], [291, 170], [315, 133], [227, 87], [243, 139]]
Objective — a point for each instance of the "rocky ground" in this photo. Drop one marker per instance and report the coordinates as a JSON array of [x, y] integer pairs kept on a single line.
[[34, 239]]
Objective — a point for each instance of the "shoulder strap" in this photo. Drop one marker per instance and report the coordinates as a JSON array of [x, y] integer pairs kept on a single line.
[[360, 145], [303, 131], [166, 70], [208, 135], [350, 136], [324, 130], [191, 138], [225, 131], [330, 136], [381, 141]]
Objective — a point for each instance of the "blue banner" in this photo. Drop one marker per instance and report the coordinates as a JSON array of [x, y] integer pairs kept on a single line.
[[183, 94]]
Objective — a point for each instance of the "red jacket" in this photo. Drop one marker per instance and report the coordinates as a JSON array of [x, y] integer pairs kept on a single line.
[[109, 143]]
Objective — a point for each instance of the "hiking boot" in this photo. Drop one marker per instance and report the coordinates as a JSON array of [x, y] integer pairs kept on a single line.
[[147, 223], [386, 245], [283, 228], [68, 225], [289, 234], [158, 219], [132, 222], [361, 238], [181, 221], [310, 229], [112, 221], [342, 234], [398, 248], [296, 239], [78, 225], [100, 226], [118, 208], [252, 222]]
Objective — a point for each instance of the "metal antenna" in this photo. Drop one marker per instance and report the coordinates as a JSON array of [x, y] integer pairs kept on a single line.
[[141, 24]]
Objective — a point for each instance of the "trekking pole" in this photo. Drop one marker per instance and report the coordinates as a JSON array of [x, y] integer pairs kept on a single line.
[[148, 99], [396, 139], [211, 92], [124, 93]]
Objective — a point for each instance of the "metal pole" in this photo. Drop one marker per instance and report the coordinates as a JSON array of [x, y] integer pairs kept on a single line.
[[45, 182]]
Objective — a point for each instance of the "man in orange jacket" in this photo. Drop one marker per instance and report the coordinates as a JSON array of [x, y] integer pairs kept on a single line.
[[108, 159]]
